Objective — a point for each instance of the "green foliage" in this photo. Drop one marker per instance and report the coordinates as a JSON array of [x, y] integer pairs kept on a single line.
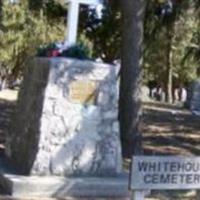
[[193, 50], [53, 9], [104, 33], [22, 31], [79, 51], [105, 36], [185, 21], [33, 23]]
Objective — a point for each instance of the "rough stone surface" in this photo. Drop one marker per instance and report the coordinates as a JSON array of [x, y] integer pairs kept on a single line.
[[52, 134]]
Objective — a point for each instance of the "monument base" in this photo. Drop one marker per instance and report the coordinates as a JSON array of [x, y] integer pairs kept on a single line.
[[59, 187]]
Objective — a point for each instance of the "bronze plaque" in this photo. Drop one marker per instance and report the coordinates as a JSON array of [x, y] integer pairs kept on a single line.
[[83, 92]]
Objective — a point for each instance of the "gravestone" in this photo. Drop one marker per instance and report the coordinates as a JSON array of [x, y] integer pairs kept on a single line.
[[193, 96], [144, 93], [66, 125]]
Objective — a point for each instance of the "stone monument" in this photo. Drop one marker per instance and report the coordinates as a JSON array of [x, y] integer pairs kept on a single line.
[[66, 127], [66, 123]]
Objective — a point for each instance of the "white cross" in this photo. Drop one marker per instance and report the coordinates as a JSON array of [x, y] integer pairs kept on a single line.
[[72, 21]]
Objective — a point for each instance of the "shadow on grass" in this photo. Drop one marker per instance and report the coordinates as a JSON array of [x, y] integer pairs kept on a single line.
[[171, 130]]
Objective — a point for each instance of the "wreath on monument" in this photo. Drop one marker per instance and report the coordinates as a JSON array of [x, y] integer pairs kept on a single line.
[[79, 51]]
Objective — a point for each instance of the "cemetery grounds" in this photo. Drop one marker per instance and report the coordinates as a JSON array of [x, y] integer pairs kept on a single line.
[[167, 130]]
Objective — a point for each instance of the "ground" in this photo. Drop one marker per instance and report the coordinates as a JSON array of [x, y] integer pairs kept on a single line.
[[170, 130], [167, 130]]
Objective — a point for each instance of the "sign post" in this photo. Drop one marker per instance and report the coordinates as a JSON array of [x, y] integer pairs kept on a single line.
[[138, 195], [163, 173], [72, 20]]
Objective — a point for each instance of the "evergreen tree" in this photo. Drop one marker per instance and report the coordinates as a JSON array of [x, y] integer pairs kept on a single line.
[[22, 32], [103, 32], [166, 44]]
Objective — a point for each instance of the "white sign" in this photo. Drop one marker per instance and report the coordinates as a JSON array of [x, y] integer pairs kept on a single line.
[[165, 172], [72, 20]]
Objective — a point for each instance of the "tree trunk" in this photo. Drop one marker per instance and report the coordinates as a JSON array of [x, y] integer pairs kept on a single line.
[[169, 83], [130, 76]]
